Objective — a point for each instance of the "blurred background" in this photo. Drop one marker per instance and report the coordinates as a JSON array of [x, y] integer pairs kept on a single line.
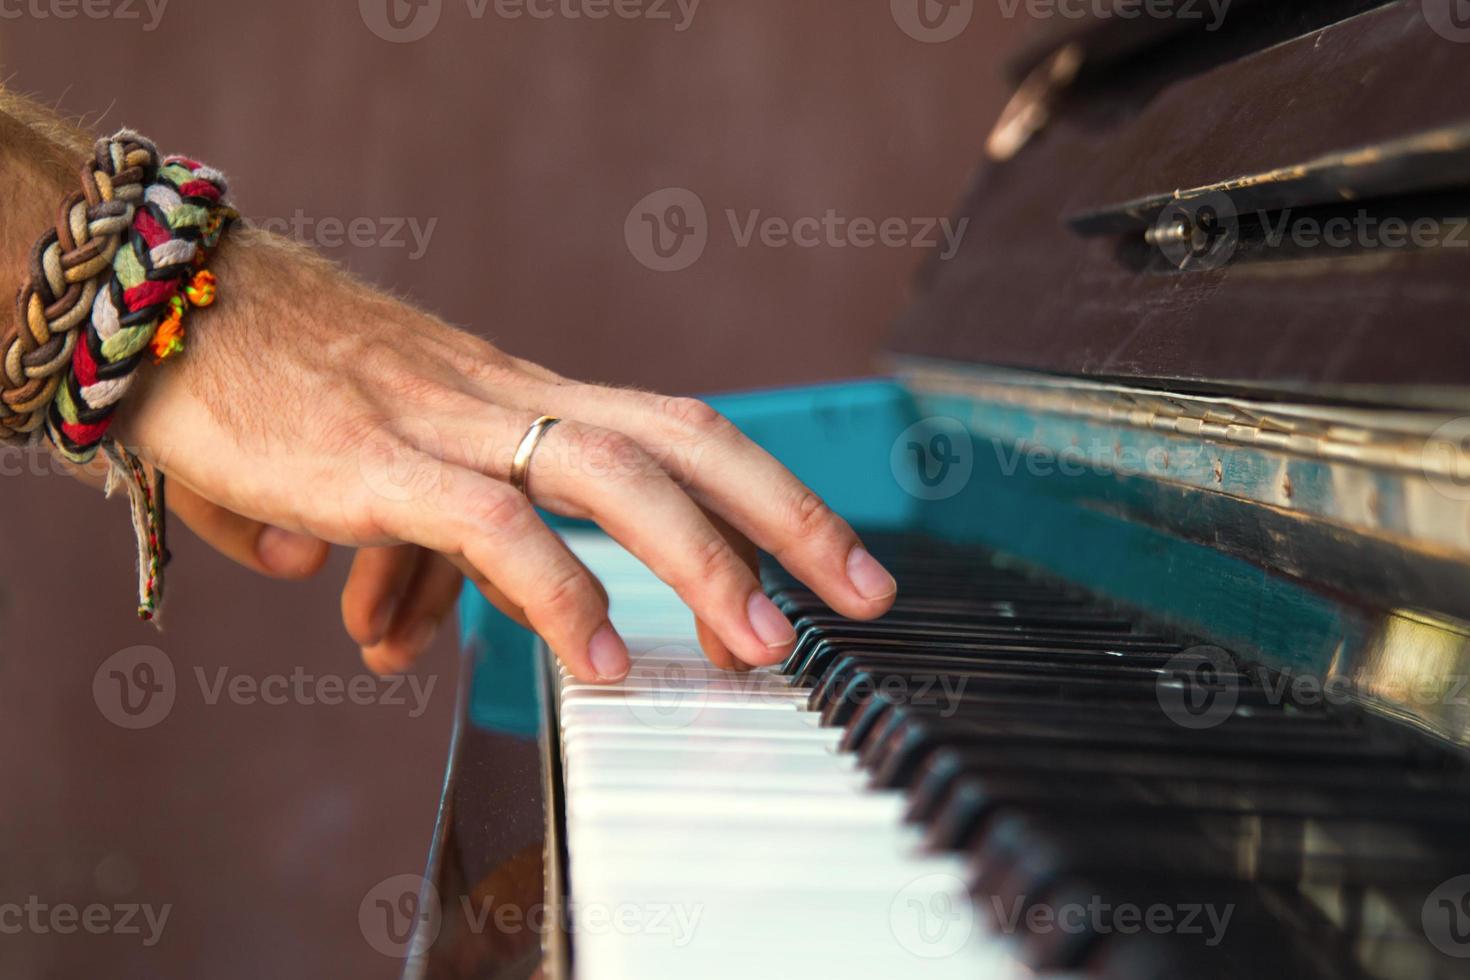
[[494, 167]]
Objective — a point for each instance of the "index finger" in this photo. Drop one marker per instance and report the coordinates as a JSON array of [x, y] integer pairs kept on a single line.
[[737, 479]]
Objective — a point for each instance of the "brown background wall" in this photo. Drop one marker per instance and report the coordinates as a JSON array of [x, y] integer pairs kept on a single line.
[[527, 142]]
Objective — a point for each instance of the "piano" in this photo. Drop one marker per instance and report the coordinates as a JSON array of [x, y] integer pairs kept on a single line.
[[1172, 461]]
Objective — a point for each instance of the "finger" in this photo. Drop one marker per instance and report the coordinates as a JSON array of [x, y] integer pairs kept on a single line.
[[260, 547], [588, 473], [745, 485], [497, 531], [418, 615], [377, 581], [583, 471], [497, 599], [493, 595], [714, 648]]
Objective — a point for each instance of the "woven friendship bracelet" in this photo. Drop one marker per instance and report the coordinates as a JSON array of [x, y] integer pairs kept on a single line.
[[157, 277], [65, 271]]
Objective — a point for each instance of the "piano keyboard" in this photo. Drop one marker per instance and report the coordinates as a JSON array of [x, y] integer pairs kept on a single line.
[[999, 778]]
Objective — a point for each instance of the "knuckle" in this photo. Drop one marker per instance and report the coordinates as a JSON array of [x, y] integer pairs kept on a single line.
[[808, 515], [405, 385], [712, 560], [486, 364], [392, 463], [692, 415], [563, 593], [497, 511], [695, 428], [609, 454], [365, 522]]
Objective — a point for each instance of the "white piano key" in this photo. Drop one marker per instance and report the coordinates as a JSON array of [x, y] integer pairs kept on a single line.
[[792, 845], [735, 717], [754, 757], [725, 696], [633, 731], [836, 809], [643, 741], [708, 684], [715, 830], [757, 782]]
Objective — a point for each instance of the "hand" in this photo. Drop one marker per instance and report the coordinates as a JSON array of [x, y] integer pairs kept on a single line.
[[328, 412]]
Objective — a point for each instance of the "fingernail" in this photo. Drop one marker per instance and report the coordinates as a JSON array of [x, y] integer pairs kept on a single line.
[[418, 637], [382, 619], [285, 552], [608, 653], [770, 625], [871, 579]]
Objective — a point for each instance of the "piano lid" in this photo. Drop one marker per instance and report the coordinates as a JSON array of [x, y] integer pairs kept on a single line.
[[1279, 206]]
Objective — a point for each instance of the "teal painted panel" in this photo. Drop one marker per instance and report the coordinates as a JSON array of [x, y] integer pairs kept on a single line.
[[1063, 521], [503, 694], [838, 439]]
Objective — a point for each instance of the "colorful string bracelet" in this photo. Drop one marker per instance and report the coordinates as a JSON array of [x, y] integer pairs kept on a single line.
[[157, 277], [66, 270]]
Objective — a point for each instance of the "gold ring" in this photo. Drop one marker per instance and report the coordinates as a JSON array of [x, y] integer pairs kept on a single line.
[[520, 467]]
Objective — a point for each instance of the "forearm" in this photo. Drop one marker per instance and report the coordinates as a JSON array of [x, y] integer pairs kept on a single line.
[[269, 284]]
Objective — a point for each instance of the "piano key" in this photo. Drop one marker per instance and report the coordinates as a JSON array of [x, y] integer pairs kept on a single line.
[[651, 805], [1050, 774]]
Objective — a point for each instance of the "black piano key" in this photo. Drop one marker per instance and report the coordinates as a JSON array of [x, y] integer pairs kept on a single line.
[[957, 810], [1025, 853], [1009, 615], [1267, 954], [1051, 760], [897, 758], [964, 814], [855, 675], [1212, 928], [943, 775], [813, 656]]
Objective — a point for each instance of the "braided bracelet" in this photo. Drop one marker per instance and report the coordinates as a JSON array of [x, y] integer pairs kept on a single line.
[[156, 279], [67, 266], [110, 281]]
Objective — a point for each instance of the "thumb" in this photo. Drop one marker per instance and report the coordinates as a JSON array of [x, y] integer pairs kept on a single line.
[[260, 547]]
